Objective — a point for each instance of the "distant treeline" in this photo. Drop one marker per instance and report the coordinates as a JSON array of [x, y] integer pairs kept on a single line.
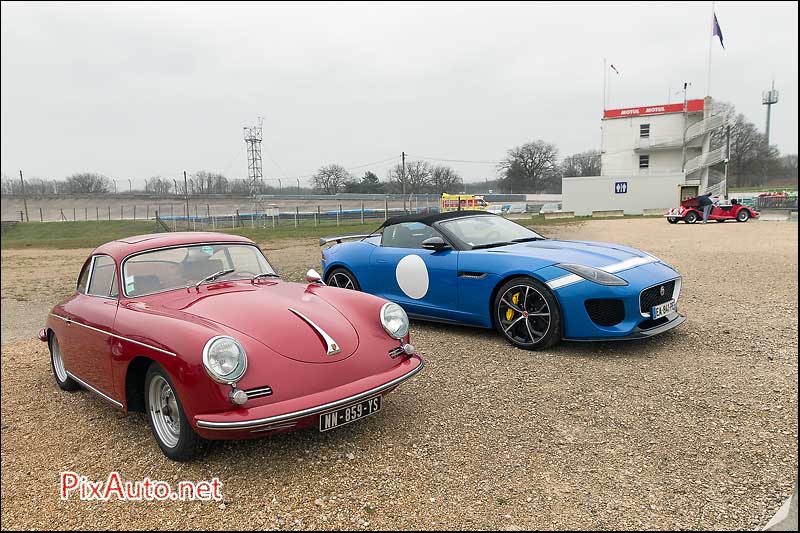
[[534, 167]]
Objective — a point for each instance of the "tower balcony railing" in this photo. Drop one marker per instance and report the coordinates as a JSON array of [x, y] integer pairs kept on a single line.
[[705, 160], [707, 125], [645, 144]]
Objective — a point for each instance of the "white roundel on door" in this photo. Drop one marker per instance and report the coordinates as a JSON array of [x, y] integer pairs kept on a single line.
[[412, 276]]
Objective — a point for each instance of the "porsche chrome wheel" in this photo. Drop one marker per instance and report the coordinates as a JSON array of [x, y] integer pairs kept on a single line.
[[164, 412], [527, 314], [343, 279], [168, 421], [59, 370]]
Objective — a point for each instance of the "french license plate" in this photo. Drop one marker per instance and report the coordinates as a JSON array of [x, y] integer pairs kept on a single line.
[[348, 414], [664, 309]]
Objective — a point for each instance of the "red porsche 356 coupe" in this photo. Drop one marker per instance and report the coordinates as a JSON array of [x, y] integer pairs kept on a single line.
[[198, 331]]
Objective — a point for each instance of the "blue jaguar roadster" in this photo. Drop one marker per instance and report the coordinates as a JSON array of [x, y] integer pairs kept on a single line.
[[480, 269]]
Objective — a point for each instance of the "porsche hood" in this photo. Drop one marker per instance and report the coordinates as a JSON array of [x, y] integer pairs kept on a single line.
[[287, 318]]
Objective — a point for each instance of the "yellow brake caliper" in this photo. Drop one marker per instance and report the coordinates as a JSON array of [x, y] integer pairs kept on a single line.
[[515, 301]]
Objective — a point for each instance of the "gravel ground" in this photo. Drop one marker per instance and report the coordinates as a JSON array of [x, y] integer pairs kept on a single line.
[[696, 429]]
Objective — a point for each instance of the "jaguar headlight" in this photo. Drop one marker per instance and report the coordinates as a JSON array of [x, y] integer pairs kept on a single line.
[[224, 359], [394, 320], [593, 274]]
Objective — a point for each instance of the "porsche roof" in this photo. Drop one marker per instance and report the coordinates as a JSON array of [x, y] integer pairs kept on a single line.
[[138, 243], [436, 217]]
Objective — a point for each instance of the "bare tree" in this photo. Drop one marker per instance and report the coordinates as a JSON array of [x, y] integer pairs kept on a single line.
[[158, 186], [532, 167], [87, 183], [330, 179], [443, 179], [416, 176], [582, 164]]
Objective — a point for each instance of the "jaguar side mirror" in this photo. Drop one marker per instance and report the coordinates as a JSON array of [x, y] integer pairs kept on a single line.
[[312, 276], [434, 243]]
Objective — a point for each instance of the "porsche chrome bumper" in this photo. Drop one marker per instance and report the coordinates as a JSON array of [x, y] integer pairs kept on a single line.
[[260, 419]]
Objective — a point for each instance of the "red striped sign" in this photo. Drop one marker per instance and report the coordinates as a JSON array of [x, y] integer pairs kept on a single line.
[[692, 106]]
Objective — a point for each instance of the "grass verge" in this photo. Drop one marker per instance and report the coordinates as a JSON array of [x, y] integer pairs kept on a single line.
[[88, 234]]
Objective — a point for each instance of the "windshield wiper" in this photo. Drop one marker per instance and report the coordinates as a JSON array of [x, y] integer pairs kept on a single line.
[[264, 275], [528, 239], [491, 245], [214, 276]]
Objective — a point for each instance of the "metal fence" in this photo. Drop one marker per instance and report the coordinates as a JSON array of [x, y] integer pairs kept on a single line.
[[226, 212]]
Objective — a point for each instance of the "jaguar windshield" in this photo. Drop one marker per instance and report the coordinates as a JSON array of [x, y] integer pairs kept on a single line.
[[488, 231]]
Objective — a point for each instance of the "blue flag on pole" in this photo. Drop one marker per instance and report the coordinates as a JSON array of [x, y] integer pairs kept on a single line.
[[718, 31]]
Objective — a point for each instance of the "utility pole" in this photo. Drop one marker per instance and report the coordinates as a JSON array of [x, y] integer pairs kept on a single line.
[[298, 185], [24, 198], [768, 98], [186, 195], [403, 155], [685, 118], [176, 185], [130, 186], [115, 186]]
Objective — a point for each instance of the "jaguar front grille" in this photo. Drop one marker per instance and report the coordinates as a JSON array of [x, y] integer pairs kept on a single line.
[[656, 295]]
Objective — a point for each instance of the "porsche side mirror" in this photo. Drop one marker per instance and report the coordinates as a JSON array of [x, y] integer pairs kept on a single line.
[[434, 243], [312, 276]]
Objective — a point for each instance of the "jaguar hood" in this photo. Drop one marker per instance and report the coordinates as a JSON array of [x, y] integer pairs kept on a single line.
[[552, 251]]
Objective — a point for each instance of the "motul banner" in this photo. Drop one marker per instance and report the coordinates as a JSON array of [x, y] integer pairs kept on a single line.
[[691, 106]]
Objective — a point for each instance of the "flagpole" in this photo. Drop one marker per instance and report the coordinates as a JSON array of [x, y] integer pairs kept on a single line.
[[710, 47], [605, 84]]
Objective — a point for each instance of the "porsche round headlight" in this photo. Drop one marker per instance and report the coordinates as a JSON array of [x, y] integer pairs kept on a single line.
[[394, 320], [225, 359]]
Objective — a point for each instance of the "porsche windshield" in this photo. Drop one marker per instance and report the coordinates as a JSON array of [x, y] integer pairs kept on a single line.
[[185, 266], [488, 231]]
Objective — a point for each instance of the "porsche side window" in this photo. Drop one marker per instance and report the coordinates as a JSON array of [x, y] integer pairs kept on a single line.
[[407, 235], [102, 279], [84, 277]]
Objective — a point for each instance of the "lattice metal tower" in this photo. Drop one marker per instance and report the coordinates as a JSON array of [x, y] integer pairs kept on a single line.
[[255, 175]]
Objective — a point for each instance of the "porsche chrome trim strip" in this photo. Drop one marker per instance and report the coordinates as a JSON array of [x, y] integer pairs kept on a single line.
[[120, 337], [325, 240], [85, 385], [260, 392], [279, 419], [569, 279], [332, 347]]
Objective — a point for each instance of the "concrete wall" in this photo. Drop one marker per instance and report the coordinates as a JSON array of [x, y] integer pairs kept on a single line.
[[586, 194]]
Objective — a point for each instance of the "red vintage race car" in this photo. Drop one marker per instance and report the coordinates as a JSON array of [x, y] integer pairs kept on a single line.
[[690, 211], [198, 331]]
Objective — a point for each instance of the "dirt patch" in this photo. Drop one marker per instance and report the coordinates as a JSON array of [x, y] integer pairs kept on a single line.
[[693, 429]]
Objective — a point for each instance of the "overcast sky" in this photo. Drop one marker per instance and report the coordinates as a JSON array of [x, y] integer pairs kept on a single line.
[[134, 91]]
